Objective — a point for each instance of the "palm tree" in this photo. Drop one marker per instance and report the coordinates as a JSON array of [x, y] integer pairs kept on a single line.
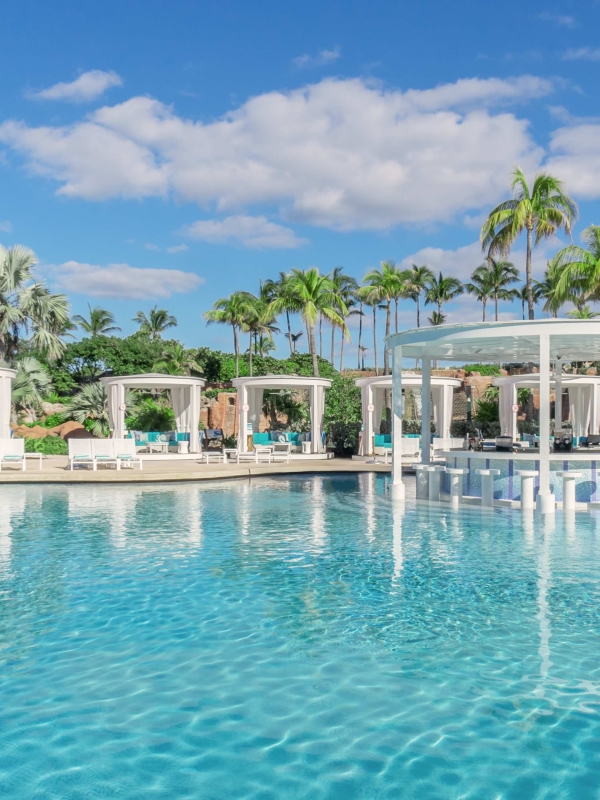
[[177, 360], [361, 314], [100, 322], [154, 325], [437, 318], [232, 310], [90, 405], [417, 282], [583, 313], [361, 351], [502, 274], [295, 337], [344, 287], [285, 300], [523, 297], [442, 290], [317, 295], [366, 295], [480, 286], [383, 285], [264, 345], [579, 267], [543, 210], [27, 306], [547, 289], [259, 320], [30, 385]]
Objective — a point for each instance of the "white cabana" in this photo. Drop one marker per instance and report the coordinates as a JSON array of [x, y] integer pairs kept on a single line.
[[6, 379], [584, 400], [545, 341], [185, 395], [251, 396], [373, 399]]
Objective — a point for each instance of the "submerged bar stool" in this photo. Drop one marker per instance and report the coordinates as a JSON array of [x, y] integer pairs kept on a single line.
[[569, 481], [422, 480], [435, 474], [487, 485], [527, 476], [456, 483]]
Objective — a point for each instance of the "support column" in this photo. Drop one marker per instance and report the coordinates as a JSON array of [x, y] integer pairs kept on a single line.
[[368, 432], [426, 412], [397, 409], [545, 500], [120, 432], [557, 396], [243, 418]]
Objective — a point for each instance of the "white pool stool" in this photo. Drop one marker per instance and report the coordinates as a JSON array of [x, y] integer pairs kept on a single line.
[[456, 483], [569, 485], [527, 476], [487, 485]]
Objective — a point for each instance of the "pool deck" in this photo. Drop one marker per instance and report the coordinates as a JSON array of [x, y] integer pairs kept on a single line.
[[55, 470]]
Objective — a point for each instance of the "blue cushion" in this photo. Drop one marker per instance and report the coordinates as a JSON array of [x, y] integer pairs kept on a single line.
[[260, 438]]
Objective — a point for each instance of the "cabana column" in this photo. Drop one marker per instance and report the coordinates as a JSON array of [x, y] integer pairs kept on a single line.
[[558, 388], [243, 408], [398, 408], [6, 379], [545, 499], [426, 412]]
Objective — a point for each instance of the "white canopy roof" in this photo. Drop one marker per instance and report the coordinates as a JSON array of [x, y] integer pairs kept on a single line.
[[516, 340], [281, 382], [153, 380], [532, 380], [409, 380]]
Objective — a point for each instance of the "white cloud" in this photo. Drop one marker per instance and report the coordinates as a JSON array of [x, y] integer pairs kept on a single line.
[[150, 246], [576, 158], [339, 153], [582, 53], [86, 87], [256, 233], [122, 281], [321, 59], [6, 226], [562, 20], [178, 248]]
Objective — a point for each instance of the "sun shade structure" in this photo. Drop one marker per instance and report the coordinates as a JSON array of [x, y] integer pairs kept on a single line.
[[6, 378], [250, 403], [542, 341], [185, 396], [584, 400], [372, 392]]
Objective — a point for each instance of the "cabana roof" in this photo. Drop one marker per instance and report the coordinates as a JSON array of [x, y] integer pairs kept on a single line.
[[515, 340], [281, 382], [409, 380], [153, 380], [532, 380]]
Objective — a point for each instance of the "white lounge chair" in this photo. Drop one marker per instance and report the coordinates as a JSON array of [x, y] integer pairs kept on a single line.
[[80, 452], [12, 451], [213, 457], [103, 452], [125, 453], [260, 453]]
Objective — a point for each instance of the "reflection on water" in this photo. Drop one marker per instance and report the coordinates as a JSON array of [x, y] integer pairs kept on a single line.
[[11, 506], [398, 511]]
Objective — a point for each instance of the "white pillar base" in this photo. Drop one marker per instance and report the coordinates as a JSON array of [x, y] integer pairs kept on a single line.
[[569, 483], [527, 476], [422, 478], [487, 486], [546, 503], [398, 491], [435, 475]]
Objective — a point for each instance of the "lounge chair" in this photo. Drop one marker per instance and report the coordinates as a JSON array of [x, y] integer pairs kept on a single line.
[[12, 451], [80, 452], [213, 457], [103, 452], [125, 453]]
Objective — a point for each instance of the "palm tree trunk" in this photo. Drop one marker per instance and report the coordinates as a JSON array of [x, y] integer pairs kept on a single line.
[[360, 334], [375, 337], [250, 353], [418, 309], [321, 335], [313, 348], [388, 325], [396, 299], [483, 303], [528, 275], [287, 314], [236, 349], [342, 353], [332, 343], [496, 305]]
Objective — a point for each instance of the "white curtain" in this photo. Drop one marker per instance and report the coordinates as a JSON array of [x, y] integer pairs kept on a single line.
[[443, 398], [5, 404], [580, 406], [378, 400], [418, 395], [437, 399], [181, 399], [255, 401], [113, 408], [508, 417]]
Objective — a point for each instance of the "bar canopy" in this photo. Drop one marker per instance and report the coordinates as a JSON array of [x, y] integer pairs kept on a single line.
[[185, 395]]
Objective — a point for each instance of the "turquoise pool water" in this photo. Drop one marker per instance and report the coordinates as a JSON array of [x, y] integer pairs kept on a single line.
[[293, 638]]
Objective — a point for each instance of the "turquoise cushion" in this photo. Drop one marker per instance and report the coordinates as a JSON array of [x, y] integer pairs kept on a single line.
[[383, 439], [260, 438]]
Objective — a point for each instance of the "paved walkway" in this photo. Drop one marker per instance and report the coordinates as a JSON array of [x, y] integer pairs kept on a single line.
[[55, 470]]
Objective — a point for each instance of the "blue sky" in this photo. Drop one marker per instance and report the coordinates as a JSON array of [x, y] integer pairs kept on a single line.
[[174, 152]]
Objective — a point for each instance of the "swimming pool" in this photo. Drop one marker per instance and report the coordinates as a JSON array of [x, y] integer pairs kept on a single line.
[[293, 638]]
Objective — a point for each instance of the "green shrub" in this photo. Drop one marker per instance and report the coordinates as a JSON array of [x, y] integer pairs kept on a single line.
[[152, 417], [52, 420], [483, 369], [49, 446]]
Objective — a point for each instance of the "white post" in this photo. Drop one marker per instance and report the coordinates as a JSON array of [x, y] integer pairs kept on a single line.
[[569, 481], [313, 419], [368, 431], [119, 433], [426, 412], [243, 418], [557, 396], [527, 476], [397, 485], [513, 414], [594, 410], [545, 499]]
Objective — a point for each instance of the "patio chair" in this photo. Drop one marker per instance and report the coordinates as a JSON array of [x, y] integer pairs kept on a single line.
[[126, 454], [103, 452], [260, 453], [12, 451], [80, 452], [213, 457]]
